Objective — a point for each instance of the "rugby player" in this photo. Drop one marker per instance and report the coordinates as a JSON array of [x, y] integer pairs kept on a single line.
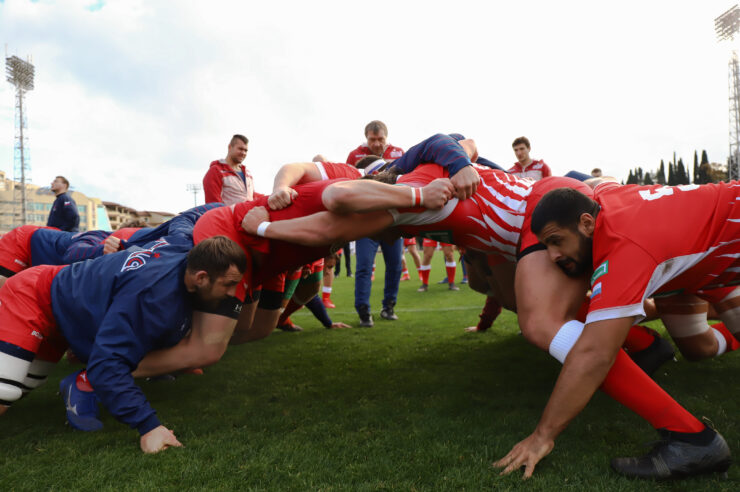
[[628, 239], [111, 312], [488, 223]]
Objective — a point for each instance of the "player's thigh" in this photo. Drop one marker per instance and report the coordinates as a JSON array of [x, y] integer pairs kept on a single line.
[[546, 298], [501, 284]]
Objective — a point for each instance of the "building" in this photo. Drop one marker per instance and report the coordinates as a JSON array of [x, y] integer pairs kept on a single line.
[[94, 213], [119, 214], [39, 202]]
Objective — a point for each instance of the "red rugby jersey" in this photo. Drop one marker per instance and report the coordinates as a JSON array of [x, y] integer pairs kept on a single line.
[[652, 240]]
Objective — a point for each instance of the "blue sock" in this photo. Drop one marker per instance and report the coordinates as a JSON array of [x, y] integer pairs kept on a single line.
[[318, 310]]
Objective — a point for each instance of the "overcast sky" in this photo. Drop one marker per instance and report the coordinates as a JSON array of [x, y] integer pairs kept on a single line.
[[134, 98]]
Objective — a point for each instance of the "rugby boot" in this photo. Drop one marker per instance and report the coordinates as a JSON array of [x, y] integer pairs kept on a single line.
[[658, 353], [423, 288], [444, 281], [674, 457], [289, 326], [452, 286], [80, 402]]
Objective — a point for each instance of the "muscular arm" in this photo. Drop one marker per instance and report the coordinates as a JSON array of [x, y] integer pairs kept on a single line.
[[584, 371], [288, 176], [319, 229], [204, 345], [368, 196]]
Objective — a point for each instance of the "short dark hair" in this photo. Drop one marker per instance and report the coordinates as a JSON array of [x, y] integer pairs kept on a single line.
[[133, 223], [521, 140], [596, 172], [215, 255], [376, 126], [564, 206], [366, 161], [239, 137], [64, 180], [387, 176]]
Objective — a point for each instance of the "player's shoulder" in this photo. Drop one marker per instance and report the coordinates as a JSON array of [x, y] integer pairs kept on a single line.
[[393, 152]]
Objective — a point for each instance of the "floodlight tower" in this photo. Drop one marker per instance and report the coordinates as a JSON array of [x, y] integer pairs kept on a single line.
[[20, 74], [194, 189], [726, 26]]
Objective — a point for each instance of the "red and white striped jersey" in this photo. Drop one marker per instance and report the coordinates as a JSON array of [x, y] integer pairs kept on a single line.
[[536, 170], [490, 221]]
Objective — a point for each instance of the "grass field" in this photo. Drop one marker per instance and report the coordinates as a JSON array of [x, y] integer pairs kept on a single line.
[[416, 404]]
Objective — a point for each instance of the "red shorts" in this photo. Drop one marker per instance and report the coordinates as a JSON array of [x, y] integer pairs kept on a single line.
[[27, 318], [15, 249], [527, 240], [409, 241], [433, 244]]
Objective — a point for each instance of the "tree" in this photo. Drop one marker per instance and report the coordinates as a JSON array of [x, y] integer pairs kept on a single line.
[[696, 168], [681, 176], [660, 178], [671, 175], [648, 179], [631, 179], [704, 158]]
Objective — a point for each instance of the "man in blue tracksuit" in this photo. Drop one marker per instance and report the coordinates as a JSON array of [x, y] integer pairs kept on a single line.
[[63, 215], [111, 312]]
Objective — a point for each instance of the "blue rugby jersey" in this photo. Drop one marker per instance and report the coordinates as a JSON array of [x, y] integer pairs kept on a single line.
[[64, 214], [90, 244], [439, 149], [48, 246], [116, 309]]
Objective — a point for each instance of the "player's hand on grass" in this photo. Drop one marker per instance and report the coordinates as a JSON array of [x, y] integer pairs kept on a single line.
[[466, 181], [281, 197], [158, 439], [254, 218], [111, 245], [437, 193], [526, 453], [338, 324]]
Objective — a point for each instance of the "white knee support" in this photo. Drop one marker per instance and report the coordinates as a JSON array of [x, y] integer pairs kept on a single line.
[[12, 374], [721, 342], [685, 325], [564, 339], [37, 373]]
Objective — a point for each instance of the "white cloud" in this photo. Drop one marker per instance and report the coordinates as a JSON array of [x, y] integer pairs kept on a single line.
[[134, 99]]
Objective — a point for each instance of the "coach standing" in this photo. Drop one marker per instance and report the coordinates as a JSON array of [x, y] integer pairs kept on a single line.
[[227, 180], [63, 214], [376, 133]]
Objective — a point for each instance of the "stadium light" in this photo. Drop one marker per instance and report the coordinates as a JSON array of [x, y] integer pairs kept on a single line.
[[20, 73], [194, 189], [727, 24]]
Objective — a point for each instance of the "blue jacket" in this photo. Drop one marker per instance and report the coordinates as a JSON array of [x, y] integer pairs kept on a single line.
[[90, 244], [440, 149], [116, 309], [48, 246], [64, 214]]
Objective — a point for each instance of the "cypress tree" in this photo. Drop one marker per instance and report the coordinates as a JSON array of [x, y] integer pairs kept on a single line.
[[696, 168], [681, 175], [648, 179], [661, 173], [631, 179], [671, 175]]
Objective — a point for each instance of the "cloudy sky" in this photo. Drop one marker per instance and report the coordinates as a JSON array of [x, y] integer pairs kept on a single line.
[[134, 98]]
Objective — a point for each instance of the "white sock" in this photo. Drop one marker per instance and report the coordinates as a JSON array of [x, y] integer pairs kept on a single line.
[[721, 342]]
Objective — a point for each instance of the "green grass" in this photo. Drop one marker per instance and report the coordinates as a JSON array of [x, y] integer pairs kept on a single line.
[[415, 404]]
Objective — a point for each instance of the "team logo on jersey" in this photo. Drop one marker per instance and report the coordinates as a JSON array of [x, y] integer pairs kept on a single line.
[[596, 291], [137, 259], [601, 270]]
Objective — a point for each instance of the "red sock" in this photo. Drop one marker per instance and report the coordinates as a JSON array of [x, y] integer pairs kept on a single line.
[[451, 268], [83, 384], [490, 312], [325, 296], [291, 308], [631, 387], [425, 276], [639, 338], [732, 343]]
